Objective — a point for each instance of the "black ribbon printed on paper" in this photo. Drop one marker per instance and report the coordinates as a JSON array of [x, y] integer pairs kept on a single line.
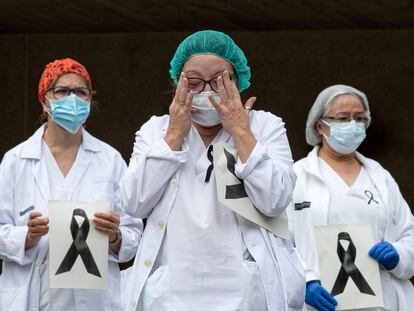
[[348, 268], [234, 191], [79, 246], [211, 166]]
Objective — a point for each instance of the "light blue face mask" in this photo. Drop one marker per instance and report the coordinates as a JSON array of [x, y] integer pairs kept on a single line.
[[346, 137], [69, 112]]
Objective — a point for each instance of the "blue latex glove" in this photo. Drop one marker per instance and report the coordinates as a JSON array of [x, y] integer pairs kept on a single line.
[[318, 297], [385, 254]]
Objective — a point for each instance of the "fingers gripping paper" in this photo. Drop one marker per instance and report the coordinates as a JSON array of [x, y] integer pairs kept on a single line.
[[78, 253], [346, 270], [232, 193]]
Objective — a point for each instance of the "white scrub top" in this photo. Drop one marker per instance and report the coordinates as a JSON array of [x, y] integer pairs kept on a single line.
[[200, 265], [61, 188], [356, 204], [359, 203]]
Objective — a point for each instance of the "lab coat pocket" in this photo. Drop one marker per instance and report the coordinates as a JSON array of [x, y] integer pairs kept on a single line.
[[254, 294], [156, 292], [292, 273], [13, 298], [124, 276]]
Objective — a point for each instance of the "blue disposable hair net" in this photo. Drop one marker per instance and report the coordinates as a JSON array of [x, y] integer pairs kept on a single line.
[[215, 43]]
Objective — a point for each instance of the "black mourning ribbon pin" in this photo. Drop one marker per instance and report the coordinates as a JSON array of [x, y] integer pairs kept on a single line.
[[211, 166], [79, 246], [370, 196], [348, 268], [234, 191]]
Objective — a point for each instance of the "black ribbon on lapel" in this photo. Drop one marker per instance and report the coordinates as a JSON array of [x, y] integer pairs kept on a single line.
[[348, 268], [234, 191], [79, 246], [301, 206], [211, 166], [370, 196]]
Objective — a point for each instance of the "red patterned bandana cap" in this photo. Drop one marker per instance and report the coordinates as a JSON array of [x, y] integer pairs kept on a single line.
[[57, 68]]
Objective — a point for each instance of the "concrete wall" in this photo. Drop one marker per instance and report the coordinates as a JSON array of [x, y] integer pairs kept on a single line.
[[289, 69]]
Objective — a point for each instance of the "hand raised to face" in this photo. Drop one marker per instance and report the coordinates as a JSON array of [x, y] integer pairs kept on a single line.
[[180, 115], [233, 114]]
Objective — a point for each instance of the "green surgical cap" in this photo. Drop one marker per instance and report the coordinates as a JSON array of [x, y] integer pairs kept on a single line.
[[215, 43]]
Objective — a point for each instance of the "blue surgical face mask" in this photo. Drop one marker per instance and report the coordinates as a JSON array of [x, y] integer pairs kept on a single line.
[[69, 112], [206, 115], [346, 137]]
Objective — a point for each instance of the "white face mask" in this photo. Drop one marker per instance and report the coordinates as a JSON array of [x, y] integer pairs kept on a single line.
[[206, 114], [346, 137]]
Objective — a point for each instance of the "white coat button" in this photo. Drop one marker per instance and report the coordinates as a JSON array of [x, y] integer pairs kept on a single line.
[[38, 264], [133, 305], [174, 182], [33, 309], [147, 263], [161, 224]]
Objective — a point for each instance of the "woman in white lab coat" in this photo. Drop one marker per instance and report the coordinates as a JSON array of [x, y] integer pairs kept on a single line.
[[337, 185], [61, 161], [196, 253]]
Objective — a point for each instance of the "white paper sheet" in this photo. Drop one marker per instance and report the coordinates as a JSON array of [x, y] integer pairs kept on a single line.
[[60, 241], [330, 265], [243, 205]]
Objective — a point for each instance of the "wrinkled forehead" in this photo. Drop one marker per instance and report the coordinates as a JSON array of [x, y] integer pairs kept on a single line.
[[70, 79], [345, 103], [207, 65]]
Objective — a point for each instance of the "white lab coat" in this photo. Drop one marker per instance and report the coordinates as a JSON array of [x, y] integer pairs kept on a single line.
[[150, 186], [25, 183], [398, 225]]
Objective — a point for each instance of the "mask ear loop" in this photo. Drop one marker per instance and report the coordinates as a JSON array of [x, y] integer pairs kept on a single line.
[[46, 111], [327, 124]]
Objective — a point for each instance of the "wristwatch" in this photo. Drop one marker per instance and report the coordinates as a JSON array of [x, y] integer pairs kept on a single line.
[[118, 237]]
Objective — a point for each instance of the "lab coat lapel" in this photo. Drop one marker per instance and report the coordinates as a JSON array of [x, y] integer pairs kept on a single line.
[[33, 150], [375, 172], [80, 169], [199, 151], [86, 152], [40, 175], [314, 186]]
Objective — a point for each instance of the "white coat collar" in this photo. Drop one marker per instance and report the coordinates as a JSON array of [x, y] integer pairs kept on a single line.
[[32, 148], [311, 164], [225, 135], [374, 170]]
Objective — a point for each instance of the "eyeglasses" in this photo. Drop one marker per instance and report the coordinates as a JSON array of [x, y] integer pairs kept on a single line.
[[347, 119], [62, 91], [197, 85]]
